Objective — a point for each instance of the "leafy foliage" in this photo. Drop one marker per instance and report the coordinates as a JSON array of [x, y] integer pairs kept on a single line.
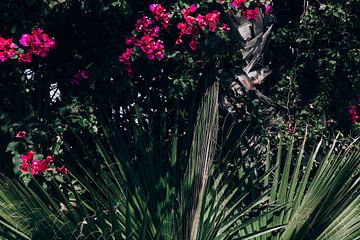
[[315, 49], [152, 155], [122, 191]]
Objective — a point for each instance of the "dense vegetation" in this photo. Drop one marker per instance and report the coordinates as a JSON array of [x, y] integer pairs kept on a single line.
[[179, 119]]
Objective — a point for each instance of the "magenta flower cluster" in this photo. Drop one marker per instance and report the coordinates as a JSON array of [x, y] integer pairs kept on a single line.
[[249, 13], [353, 114], [33, 166], [7, 49], [36, 43], [146, 37], [79, 76], [193, 25], [160, 14]]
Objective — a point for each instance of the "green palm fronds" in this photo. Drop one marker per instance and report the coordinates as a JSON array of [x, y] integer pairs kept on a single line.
[[139, 187]]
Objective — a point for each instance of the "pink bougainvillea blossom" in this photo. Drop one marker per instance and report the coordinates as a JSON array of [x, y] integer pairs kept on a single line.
[[49, 159], [25, 40], [83, 74], [160, 14], [35, 166], [38, 42], [62, 170], [193, 44], [25, 57], [267, 8], [192, 8], [352, 112], [142, 24], [28, 156], [146, 37], [237, 3], [125, 59], [26, 161], [7, 49], [212, 19], [194, 25], [79, 76], [224, 27], [20, 134], [250, 14], [38, 166]]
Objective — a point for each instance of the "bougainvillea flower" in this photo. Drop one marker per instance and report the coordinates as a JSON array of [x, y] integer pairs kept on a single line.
[[212, 19], [131, 40], [353, 117], [38, 166], [25, 40], [192, 8], [142, 24], [179, 41], [147, 37], [125, 57], [194, 25], [25, 57], [224, 27], [237, 3], [28, 156], [26, 161], [267, 8], [39, 44], [193, 44], [250, 14], [49, 159], [182, 27], [200, 20], [24, 167], [21, 134], [62, 170], [34, 166], [83, 74], [7, 49], [160, 14]]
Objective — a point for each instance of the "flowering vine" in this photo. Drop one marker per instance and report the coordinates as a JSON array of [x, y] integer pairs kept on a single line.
[[38, 43], [353, 114], [35, 43], [79, 76], [32, 164], [21, 135], [35, 167], [7, 49], [193, 25], [146, 36]]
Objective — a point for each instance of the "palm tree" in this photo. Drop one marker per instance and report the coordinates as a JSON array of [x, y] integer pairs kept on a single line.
[[151, 191]]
